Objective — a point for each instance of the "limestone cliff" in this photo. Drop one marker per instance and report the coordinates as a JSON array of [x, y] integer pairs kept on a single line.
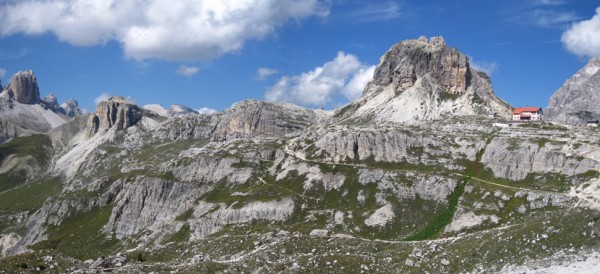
[[23, 88], [116, 112], [578, 100]]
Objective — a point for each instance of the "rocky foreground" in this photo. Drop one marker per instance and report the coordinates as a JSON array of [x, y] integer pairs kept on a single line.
[[264, 187]]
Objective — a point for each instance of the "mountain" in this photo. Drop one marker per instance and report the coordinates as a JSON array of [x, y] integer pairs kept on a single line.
[[71, 108], [23, 88], [269, 187], [174, 110], [578, 100], [23, 112], [421, 80]]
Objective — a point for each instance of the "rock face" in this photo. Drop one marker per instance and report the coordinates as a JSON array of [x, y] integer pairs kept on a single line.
[[23, 88], [52, 103], [115, 112], [405, 62], [250, 119], [578, 100], [71, 108], [420, 81]]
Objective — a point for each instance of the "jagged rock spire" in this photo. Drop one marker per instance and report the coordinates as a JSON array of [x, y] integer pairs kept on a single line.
[[23, 88]]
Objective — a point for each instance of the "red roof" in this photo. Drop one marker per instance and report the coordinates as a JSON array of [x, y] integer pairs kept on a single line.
[[526, 109]]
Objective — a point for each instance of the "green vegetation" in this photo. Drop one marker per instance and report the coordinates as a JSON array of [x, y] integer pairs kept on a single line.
[[36, 146], [447, 96], [185, 215], [435, 227], [29, 197], [180, 236], [80, 230]]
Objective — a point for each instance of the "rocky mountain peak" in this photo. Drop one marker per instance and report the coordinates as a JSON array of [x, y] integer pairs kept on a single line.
[[578, 100], [51, 103], [421, 80], [116, 112], [23, 88], [409, 60], [71, 108]]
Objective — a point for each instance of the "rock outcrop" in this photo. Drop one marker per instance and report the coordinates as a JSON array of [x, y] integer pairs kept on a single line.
[[23, 88], [578, 100], [405, 62], [420, 81], [251, 119], [52, 103], [116, 112], [71, 108]]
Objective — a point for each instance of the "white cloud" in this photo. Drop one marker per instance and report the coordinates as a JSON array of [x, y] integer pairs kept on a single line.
[[345, 75], [206, 111], [357, 84], [263, 73], [551, 18], [187, 71], [583, 38], [163, 29], [372, 12], [102, 97], [2, 72], [487, 67]]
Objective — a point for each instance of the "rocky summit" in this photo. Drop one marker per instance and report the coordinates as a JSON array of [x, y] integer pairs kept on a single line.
[[578, 100], [23, 88], [418, 175], [421, 80]]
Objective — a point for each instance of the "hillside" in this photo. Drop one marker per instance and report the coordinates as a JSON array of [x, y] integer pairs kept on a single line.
[[267, 187]]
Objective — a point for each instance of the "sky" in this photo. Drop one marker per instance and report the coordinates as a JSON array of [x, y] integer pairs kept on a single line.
[[209, 54]]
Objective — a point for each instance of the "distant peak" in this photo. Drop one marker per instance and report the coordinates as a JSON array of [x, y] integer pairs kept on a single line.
[[23, 88]]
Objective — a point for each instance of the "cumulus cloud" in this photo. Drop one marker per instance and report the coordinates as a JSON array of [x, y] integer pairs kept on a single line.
[[163, 29], [187, 71], [2, 72], [345, 75], [583, 37], [206, 111], [102, 97], [263, 73]]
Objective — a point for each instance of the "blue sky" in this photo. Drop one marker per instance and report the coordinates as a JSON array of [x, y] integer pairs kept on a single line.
[[203, 53]]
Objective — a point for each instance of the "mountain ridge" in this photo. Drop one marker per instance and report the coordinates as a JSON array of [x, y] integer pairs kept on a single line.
[[269, 187]]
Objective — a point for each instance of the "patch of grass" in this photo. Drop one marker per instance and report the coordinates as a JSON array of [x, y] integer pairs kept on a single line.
[[180, 236], [185, 215], [447, 96], [36, 146], [29, 197], [588, 175], [80, 235], [443, 219], [541, 142]]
